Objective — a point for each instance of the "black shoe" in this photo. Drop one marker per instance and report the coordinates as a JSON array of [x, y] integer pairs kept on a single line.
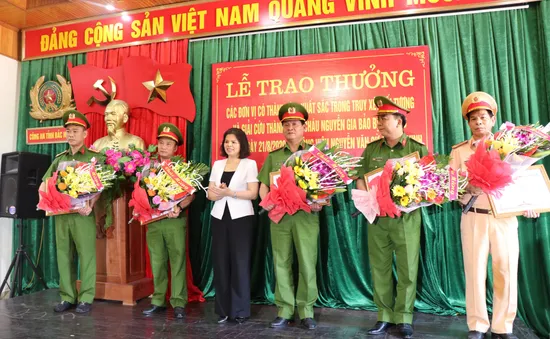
[[179, 312], [380, 327], [503, 336], [406, 330], [280, 322], [154, 309], [222, 320], [63, 306], [241, 320], [83, 307], [476, 335], [309, 323]]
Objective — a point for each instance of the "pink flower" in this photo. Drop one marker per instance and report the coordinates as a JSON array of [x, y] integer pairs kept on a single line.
[[507, 126], [116, 167], [136, 154], [157, 200], [110, 153], [130, 167]]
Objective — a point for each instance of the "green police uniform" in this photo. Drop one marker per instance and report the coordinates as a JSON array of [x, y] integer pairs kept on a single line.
[[387, 235], [300, 230], [75, 232], [166, 241]]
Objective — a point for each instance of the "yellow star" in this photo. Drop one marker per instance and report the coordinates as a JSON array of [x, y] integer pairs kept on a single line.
[[157, 88]]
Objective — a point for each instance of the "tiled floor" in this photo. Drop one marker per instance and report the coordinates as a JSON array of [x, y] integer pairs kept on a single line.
[[32, 316]]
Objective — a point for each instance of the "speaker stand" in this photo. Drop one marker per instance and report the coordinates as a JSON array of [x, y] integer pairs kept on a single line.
[[17, 265]]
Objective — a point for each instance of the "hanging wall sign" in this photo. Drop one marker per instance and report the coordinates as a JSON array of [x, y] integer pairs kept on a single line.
[[209, 18], [337, 90]]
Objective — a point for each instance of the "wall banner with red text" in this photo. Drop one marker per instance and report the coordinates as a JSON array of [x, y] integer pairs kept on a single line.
[[219, 17], [337, 89]]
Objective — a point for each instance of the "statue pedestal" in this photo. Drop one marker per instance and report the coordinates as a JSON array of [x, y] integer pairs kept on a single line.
[[121, 258]]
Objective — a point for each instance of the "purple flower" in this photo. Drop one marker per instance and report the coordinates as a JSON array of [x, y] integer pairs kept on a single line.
[[157, 200]]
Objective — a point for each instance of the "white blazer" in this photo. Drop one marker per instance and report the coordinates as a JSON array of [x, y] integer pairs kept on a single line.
[[247, 171]]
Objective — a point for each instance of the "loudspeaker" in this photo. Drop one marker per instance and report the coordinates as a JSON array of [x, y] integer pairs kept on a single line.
[[21, 176]]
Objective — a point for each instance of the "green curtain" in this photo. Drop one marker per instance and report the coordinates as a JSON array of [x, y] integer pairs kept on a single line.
[[503, 53], [39, 235]]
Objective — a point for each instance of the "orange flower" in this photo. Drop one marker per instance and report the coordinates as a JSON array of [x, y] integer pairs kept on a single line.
[[151, 193], [63, 173], [62, 186]]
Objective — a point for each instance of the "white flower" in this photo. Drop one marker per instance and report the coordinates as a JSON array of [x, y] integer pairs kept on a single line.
[[409, 189], [400, 171]]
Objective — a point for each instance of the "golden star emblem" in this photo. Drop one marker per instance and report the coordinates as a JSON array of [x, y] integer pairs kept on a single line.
[[157, 87]]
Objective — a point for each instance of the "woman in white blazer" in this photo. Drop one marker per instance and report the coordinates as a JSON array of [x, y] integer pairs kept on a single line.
[[233, 186]]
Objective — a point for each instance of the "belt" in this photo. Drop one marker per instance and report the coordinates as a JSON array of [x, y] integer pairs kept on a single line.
[[479, 210]]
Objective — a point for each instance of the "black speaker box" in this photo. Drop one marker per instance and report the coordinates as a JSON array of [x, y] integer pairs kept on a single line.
[[21, 176]]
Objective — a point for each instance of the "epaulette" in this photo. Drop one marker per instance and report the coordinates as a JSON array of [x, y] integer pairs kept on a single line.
[[372, 142], [60, 154], [278, 149], [460, 144], [418, 142]]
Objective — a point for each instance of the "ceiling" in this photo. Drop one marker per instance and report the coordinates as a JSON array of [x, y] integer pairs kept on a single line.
[[21, 14]]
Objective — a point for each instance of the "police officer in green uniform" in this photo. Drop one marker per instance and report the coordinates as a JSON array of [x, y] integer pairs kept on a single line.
[[300, 230], [166, 239], [75, 231], [388, 235]]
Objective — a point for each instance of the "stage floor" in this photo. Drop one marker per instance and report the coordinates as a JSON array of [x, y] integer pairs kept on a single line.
[[32, 316]]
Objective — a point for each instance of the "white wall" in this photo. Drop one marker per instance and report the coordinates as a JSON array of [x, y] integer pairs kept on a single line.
[[9, 101]]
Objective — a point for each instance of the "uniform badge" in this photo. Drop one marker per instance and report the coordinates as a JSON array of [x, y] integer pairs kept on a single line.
[[51, 99]]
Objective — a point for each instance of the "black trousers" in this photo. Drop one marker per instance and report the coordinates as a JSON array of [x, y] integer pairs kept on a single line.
[[231, 251]]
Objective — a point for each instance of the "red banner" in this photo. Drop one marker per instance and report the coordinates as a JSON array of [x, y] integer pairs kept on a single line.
[[127, 81], [222, 17], [337, 89], [189, 189], [46, 135]]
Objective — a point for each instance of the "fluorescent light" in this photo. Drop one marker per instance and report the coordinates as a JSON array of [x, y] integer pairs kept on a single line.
[[110, 7]]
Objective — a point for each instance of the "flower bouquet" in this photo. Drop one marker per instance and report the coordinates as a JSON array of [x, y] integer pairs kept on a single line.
[[405, 185], [128, 162], [511, 150], [310, 176], [73, 185], [163, 185]]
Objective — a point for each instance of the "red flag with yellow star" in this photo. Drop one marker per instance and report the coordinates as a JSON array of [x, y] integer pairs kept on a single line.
[[140, 81]]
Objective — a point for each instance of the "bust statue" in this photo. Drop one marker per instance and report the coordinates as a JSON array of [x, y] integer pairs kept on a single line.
[[117, 138]]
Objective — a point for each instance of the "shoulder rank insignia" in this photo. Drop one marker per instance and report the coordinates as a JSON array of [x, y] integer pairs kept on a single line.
[[418, 142], [460, 144], [60, 154]]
